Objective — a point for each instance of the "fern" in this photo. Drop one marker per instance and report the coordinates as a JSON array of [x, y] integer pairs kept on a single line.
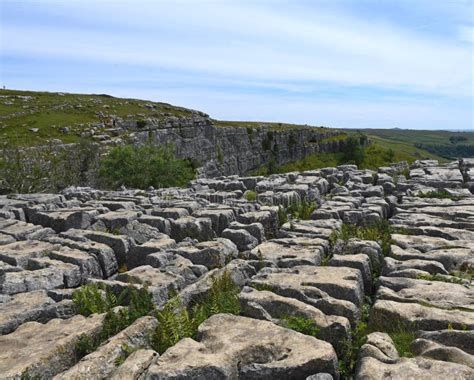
[[175, 322]]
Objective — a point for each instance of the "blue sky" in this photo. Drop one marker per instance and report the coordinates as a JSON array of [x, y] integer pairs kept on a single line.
[[352, 64]]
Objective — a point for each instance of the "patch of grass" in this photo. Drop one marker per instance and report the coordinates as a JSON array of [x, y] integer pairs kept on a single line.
[[220, 155], [126, 352], [262, 287], [49, 112], [282, 216], [402, 339], [176, 322], [250, 195], [439, 194], [379, 232], [303, 325], [348, 362], [439, 277], [302, 210]]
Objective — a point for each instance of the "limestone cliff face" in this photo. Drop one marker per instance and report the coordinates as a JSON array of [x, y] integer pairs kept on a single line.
[[237, 150]]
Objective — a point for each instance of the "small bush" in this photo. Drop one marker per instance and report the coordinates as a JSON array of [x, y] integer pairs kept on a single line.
[[141, 123], [250, 195], [144, 166]]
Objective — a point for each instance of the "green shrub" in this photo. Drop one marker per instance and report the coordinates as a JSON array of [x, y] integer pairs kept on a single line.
[[47, 168], [141, 123], [250, 195], [301, 324], [144, 166]]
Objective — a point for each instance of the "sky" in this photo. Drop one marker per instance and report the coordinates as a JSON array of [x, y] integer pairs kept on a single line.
[[337, 63]]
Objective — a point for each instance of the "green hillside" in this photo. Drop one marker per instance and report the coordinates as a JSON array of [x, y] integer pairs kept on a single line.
[[22, 112], [442, 145]]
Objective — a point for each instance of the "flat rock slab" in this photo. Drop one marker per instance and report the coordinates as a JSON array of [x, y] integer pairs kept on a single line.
[[266, 305], [44, 349], [418, 317], [102, 362], [237, 347], [21, 308], [286, 255], [434, 293], [160, 283], [333, 290], [451, 258], [416, 368], [20, 252], [211, 254]]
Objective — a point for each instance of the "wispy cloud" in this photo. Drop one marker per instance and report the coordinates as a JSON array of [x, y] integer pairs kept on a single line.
[[274, 53]]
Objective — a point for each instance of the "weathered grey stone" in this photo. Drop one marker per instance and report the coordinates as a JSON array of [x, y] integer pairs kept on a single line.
[[287, 255], [195, 228], [161, 224], [220, 218], [29, 280], [101, 363], [21, 308], [333, 290], [433, 267], [255, 229], [272, 307], [360, 261], [115, 220], [462, 339], [432, 293], [45, 350], [211, 254], [433, 350], [379, 346], [71, 273], [241, 238], [135, 365], [138, 253], [19, 253], [104, 254], [384, 312], [416, 368], [159, 283], [170, 212], [239, 347], [63, 220], [87, 263]]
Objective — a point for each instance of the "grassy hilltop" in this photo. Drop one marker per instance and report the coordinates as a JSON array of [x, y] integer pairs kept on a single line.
[[49, 112]]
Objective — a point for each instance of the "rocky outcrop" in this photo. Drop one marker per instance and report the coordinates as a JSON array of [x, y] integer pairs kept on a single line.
[[306, 288]]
